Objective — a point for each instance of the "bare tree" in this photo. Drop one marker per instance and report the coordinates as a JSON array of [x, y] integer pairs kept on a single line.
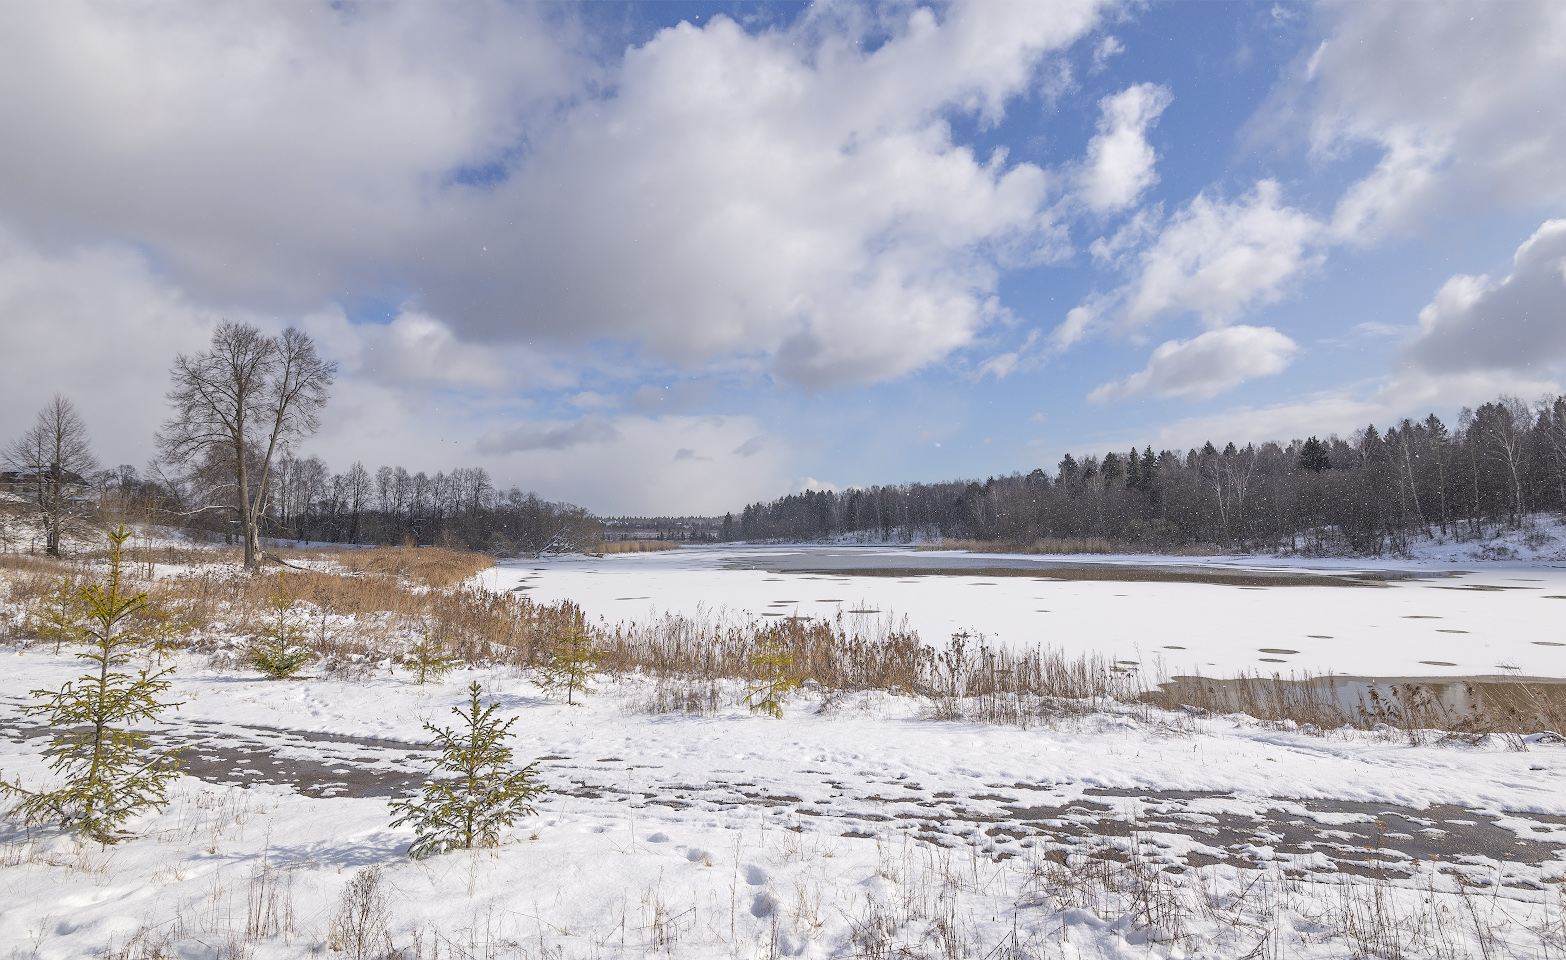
[[50, 459], [238, 403]]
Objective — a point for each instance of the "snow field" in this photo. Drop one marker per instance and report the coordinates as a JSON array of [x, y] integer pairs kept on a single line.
[[688, 836]]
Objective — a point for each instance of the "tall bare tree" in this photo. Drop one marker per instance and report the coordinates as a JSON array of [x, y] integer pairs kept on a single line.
[[52, 457], [239, 402]]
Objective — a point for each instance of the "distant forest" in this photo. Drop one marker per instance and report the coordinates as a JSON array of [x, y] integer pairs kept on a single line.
[[1369, 493], [306, 501]]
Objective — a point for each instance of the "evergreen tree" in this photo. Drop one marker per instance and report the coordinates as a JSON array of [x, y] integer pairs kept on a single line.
[[108, 772], [775, 679], [480, 795], [427, 659], [571, 665], [281, 650], [60, 614], [1313, 456]]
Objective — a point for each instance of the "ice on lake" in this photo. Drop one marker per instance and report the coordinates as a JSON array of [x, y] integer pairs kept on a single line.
[[1174, 615]]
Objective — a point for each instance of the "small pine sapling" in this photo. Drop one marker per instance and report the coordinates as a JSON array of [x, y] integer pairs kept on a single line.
[[108, 772], [280, 650], [427, 659], [572, 664], [479, 795], [775, 679]]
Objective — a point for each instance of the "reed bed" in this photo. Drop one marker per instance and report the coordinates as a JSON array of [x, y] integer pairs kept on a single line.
[[433, 566], [1071, 545], [634, 546], [1461, 708]]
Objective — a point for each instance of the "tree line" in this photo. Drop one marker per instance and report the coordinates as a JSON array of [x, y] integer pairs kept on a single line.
[[1369, 493], [227, 467]]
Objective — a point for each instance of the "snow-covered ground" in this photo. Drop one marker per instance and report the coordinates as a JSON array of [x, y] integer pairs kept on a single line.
[[858, 825], [1381, 618], [837, 831]]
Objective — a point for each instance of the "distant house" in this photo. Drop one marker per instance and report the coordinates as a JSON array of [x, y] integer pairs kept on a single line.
[[34, 478]]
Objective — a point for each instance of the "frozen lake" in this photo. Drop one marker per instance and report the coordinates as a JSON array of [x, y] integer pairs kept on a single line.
[[1175, 615]]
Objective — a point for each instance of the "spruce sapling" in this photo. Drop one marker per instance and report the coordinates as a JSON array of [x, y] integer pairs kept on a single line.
[[572, 664], [108, 772], [59, 614], [774, 681], [479, 795], [280, 651], [427, 659]]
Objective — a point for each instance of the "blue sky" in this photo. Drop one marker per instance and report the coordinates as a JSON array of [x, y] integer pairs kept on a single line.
[[674, 257]]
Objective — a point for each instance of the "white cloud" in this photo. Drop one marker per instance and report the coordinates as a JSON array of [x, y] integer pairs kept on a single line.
[[1462, 100], [792, 196], [1517, 323], [1107, 47], [92, 322], [53, 311], [281, 152], [1205, 366], [1119, 159], [1214, 258]]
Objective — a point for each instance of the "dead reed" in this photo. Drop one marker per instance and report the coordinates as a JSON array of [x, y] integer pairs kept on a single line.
[[634, 546], [432, 566], [1071, 545], [1461, 709]]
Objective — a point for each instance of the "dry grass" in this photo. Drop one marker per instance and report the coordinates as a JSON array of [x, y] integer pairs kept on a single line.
[[1066, 546], [1503, 706], [634, 546], [966, 680], [432, 566]]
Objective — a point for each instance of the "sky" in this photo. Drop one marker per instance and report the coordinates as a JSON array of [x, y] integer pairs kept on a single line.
[[672, 258]]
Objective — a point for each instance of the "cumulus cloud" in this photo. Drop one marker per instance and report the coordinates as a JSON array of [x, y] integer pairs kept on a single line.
[[1214, 258], [1217, 258], [1205, 366], [93, 323], [538, 436], [1119, 159], [1517, 323], [1461, 99], [790, 195]]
